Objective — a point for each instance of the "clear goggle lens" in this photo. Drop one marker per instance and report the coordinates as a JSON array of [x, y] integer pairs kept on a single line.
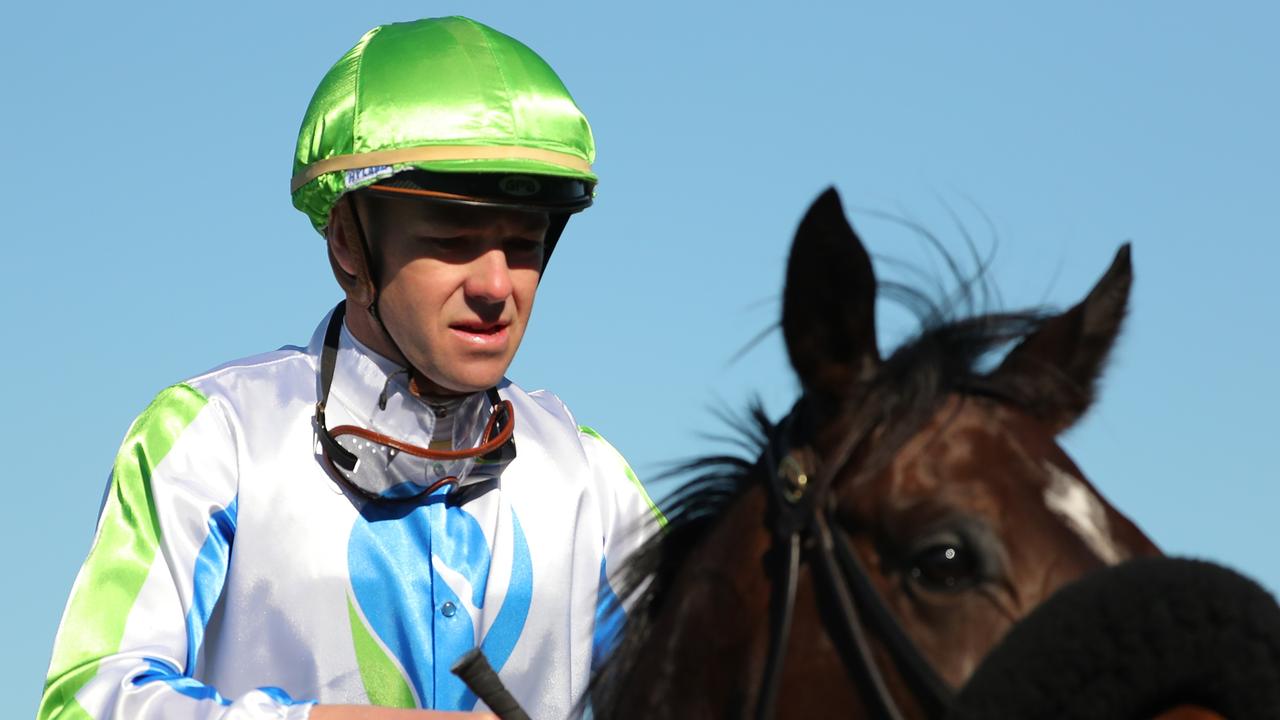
[[385, 468]]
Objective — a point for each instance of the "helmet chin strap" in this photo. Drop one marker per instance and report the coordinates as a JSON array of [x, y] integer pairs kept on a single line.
[[355, 227]]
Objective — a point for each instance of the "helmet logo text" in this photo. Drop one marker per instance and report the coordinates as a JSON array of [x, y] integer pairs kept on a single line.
[[361, 176], [519, 185]]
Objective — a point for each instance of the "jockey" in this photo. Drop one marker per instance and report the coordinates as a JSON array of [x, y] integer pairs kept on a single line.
[[320, 527]]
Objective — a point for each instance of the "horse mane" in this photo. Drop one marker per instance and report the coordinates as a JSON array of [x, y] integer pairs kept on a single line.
[[945, 357]]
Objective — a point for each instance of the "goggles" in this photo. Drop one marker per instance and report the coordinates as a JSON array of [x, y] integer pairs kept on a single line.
[[380, 467]]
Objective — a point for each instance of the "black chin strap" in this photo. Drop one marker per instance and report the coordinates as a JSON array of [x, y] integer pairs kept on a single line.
[[373, 267], [337, 454]]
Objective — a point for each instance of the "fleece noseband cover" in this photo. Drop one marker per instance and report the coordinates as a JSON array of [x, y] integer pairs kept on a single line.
[[1132, 641]]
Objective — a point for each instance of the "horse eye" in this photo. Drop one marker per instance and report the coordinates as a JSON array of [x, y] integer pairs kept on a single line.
[[945, 566]]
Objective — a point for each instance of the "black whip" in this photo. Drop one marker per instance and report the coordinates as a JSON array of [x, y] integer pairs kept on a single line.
[[474, 670]]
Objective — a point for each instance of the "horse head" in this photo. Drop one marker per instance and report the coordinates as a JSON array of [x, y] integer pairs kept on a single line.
[[944, 481]]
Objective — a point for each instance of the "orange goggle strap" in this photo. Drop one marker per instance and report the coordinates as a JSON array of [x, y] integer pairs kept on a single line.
[[498, 445], [497, 432]]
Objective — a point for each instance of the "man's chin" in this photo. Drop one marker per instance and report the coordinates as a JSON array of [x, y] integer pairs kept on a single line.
[[463, 383]]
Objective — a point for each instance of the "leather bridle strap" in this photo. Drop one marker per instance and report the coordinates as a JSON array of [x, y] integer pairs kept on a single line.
[[933, 695], [783, 609], [790, 511], [801, 511], [862, 665]]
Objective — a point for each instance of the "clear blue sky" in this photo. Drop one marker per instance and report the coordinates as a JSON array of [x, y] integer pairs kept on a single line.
[[149, 234]]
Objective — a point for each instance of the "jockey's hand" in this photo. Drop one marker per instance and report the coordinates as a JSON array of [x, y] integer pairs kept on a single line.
[[365, 712]]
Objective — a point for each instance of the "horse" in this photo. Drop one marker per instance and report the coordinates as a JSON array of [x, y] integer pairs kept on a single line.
[[877, 542]]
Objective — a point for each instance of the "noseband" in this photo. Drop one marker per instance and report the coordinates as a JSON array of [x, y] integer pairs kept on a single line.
[[801, 510]]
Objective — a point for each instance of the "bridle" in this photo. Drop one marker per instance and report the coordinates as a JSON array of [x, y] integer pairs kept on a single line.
[[801, 514]]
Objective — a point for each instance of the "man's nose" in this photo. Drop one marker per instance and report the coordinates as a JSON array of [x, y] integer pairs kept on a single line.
[[490, 277]]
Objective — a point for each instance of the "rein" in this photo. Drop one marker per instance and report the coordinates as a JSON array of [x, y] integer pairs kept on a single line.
[[802, 509]]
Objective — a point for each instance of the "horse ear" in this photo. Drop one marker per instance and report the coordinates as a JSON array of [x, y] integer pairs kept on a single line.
[[1055, 370], [828, 306]]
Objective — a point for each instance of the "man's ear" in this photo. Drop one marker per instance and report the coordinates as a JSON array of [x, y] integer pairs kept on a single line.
[[347, 254]]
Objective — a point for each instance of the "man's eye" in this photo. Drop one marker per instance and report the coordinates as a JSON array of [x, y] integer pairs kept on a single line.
[[447, 244]]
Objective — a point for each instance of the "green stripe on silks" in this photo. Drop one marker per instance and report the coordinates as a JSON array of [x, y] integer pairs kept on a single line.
[[631, 475], [384, 682], [126, 544]]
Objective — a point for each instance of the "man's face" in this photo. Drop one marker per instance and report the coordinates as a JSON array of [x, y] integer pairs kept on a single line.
[[457, 284]]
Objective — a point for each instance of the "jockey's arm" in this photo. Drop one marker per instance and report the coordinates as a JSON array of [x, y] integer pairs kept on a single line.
[[364, 712]]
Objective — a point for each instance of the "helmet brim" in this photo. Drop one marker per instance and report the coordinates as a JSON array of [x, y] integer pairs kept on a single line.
[[517, 191]]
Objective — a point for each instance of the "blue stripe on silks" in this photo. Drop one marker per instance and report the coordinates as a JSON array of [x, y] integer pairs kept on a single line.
[[195, 690], [164, 672], [389, 563], [506, 629], [392, 555], [609, 617], [159, 670], [464, 549], [208, 577], [460, 545]]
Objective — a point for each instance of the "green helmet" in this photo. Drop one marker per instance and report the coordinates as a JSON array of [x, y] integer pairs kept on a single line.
[[448, 108]]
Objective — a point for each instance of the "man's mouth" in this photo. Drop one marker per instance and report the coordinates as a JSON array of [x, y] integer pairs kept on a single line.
[[480, 333], [479, 328]]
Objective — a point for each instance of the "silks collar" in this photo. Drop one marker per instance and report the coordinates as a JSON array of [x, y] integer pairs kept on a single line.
[[383, 450]]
